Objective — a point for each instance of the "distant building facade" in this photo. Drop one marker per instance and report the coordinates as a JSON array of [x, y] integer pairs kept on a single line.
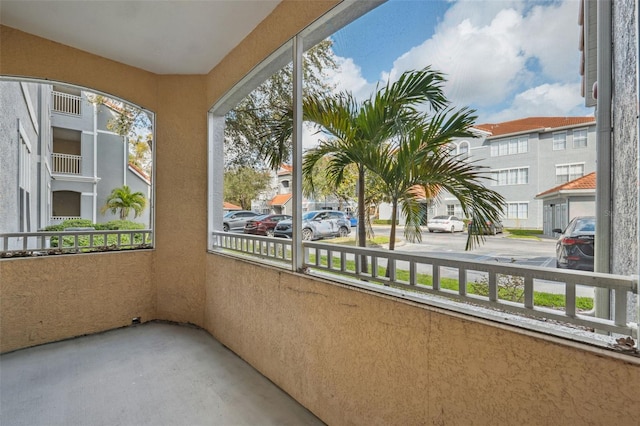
[[523, 158], [59, 159]]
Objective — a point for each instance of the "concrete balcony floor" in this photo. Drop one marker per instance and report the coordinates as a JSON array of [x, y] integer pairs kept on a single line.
[[150, 374]]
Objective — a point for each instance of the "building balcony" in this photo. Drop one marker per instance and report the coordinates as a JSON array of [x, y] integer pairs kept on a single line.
[[66, 164], [65, 103]]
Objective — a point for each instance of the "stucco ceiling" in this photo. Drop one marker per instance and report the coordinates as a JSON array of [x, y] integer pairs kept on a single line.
[[164, 37]]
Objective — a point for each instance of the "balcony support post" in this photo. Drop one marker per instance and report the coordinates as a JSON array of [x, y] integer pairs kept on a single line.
[[297, 256]]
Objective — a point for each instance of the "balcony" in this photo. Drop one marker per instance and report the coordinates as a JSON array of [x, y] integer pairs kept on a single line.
[[349, 354], [67, 164], [112, 378], [65, 103]]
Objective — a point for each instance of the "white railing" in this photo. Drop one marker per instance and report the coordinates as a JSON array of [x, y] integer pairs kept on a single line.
[[66, 104], [66, 163], [506, 287], [56, 220], [276, 249], [21, 244]]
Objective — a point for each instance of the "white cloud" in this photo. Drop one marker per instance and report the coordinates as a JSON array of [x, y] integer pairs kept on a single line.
[[514, 57], [348, 77], [545, 100], [482, 64]]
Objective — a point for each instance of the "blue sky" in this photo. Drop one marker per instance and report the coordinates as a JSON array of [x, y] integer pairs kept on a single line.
[[506, 59]]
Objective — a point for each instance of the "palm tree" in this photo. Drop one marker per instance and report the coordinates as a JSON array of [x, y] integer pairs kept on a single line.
[[357, 129], [123, 200], [416, 164]]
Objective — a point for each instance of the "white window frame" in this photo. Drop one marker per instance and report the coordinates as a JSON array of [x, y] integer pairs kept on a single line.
[[576, 138], [510, 146], [570, 167], [510, 176], [559, 141], [521, 210]]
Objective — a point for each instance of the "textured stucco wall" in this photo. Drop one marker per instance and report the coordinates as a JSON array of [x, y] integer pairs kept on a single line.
[[52, 298], [354, 357], [180, 169], [624, 259], [625, 179]]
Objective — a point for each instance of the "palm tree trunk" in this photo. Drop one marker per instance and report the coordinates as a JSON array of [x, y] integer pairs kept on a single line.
[[392, 234], [394, 214]]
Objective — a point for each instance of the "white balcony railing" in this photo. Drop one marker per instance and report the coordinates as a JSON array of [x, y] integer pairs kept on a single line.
[[21, 244], [454, 279], [66, 104], [67, 163], [56, 220]]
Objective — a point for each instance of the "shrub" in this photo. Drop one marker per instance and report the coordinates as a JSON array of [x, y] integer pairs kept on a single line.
[[510, 287]]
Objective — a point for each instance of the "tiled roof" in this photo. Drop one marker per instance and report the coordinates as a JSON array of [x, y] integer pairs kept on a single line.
[[229, 206], [280, 199], [140, 172], [533, 123], [285, 169], [584, 182]]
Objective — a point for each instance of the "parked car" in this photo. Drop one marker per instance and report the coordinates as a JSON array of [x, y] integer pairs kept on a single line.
[[352, 219], [317, 224], [445, 224], [235, 220], [574, 249], [264, 224], [491, 228]]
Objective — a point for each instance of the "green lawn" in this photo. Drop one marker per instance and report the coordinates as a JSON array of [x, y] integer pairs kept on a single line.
[[533, 234]]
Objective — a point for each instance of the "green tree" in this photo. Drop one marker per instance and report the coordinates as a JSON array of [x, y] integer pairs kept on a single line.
[[356, 129], [123, 200], [319, 187], [247, 126], [417, 163], [243, 184]]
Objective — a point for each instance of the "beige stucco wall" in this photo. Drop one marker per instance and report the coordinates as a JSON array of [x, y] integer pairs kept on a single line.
[[52, 298], [177, 266], [354, 357], [350, 356]]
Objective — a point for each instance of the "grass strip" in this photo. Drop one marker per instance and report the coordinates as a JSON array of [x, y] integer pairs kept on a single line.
[[541, 299]]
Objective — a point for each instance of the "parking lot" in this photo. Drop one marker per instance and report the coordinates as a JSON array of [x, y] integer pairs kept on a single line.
[[499, 248]]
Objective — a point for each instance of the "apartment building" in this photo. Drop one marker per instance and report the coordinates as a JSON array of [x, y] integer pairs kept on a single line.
[[59, 159], [523, 158]]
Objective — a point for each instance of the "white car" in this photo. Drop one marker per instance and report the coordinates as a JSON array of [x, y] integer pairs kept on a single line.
[[445, 224]]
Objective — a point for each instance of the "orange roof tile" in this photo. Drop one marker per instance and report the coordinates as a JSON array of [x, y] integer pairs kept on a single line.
[[229, 206], [285, 169], [280, 199], [533, 123], [584, 182]]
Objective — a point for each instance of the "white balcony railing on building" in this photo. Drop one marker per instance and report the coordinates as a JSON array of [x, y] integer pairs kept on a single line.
[[56, 220], [473, 282], [67, 163], [21, 244], [66, 104]]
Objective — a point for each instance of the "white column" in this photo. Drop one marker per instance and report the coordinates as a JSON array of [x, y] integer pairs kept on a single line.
[[296, 178], [215, 174]]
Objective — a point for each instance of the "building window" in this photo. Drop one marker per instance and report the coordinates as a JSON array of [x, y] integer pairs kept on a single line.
[[451, 209], [559, 141], [568, 172], [463, 149], [580, 138], [517, 210], [515, 176], [519, 145]]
